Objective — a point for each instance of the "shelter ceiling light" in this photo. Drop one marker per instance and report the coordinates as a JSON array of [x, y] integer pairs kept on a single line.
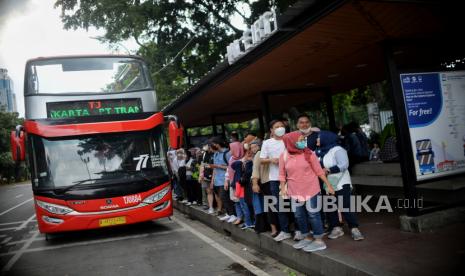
[[333, 76], [310, 84], [361, 65]]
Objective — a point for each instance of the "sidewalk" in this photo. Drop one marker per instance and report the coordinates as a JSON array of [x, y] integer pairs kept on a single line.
[[385, 251]]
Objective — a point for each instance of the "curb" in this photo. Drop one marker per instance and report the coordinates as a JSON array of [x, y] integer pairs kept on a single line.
[[309, 263]]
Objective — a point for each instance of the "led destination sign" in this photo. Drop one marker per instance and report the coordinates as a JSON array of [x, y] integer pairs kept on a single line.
[[60, 110]]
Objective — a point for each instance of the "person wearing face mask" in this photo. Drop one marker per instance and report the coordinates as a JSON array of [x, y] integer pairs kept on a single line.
[[300, 168], [205, 176], [263, 220], [219, 166], [309, 133], [271, 150], [249, 137], [335, 163]]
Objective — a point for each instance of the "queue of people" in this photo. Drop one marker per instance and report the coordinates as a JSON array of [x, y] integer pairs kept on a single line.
[[247, 182]]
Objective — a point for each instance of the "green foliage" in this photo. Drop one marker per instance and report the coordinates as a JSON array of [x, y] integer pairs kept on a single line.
[[8, 122], [163, 28], [351, 105]]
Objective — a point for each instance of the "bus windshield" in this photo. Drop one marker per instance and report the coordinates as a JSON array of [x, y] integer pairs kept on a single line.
[[86, 75], [99, 160]]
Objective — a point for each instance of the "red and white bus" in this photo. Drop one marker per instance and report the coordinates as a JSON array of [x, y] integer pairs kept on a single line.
[[95, 142]]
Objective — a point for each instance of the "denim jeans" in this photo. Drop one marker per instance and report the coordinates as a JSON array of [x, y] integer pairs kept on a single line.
[[238, 208], [282, 217], [177, 189], [246, 212], [308, 213], [349, 217], [257, 202]]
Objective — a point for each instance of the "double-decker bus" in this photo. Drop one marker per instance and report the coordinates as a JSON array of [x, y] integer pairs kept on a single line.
[[95, 142], [425, 156]]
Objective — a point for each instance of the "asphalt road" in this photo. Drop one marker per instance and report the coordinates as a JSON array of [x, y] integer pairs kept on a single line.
[[163, 247]]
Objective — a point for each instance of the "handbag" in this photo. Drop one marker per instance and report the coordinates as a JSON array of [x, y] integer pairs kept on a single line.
[[334, 180]]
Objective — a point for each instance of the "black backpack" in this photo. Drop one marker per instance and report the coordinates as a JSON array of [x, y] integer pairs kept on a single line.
[[224, 158]]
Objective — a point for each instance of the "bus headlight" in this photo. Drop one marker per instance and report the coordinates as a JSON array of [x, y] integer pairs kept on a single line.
[[52, 220], [156, 196], [54, 208]]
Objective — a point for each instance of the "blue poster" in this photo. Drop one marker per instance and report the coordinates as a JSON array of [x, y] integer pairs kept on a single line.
[[423, 100], [435, 108]]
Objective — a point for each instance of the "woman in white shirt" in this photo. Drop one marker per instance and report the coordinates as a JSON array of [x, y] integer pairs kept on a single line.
[[335, 162]]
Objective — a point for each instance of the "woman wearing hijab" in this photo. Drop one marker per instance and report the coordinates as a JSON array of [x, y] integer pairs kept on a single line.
[[237, 152], [300, 168], [242, 173], [335, 162]]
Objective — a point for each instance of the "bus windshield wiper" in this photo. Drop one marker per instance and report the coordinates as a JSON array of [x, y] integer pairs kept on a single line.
[[140, 174], [71, 187]]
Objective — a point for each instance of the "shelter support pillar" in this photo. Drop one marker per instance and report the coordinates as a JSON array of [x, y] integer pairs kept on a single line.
[[261, 124], [223, 130], [330, 110], [266, 108], [215, 132], [407, 164], [186, 138]]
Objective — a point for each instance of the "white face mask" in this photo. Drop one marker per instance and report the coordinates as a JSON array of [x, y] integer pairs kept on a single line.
[[306, 130], [205, 148], [280, 131], [246, 146]]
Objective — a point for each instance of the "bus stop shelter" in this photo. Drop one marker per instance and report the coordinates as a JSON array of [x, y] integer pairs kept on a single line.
[[322, 48]]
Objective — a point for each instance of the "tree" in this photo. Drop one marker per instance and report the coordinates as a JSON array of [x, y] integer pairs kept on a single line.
[[8, 122], [188, 36]]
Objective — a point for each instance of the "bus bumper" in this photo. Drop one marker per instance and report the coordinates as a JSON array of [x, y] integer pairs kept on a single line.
[[52, 223]]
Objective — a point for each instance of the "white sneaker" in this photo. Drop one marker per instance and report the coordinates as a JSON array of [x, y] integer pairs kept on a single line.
[[225, 217], [184, 201], [282, 236], [336, 233], [211, 211], [315, 246], [188, 204], [356, 234], [231, 219], [194, 202], [299, 236], [301, 244]]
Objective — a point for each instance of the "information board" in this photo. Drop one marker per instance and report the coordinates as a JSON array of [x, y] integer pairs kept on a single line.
[[435, 106]]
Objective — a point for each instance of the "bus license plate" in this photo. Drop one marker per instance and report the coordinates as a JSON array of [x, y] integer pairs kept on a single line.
[[112, 221]]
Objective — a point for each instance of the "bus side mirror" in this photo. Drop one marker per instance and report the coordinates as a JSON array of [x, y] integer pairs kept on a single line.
[[18, 148], [175, 132]]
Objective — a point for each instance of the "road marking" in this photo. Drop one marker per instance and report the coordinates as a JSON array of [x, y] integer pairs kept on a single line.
[[19, 184], [18, 253], [7, 229], [44, 248], [21, 241], [10, 223], [7, 239], [24, 224], [18, 196], [14, 207], [253, 269]]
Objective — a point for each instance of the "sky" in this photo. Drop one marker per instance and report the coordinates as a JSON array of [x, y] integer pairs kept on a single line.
[[33, 28]]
